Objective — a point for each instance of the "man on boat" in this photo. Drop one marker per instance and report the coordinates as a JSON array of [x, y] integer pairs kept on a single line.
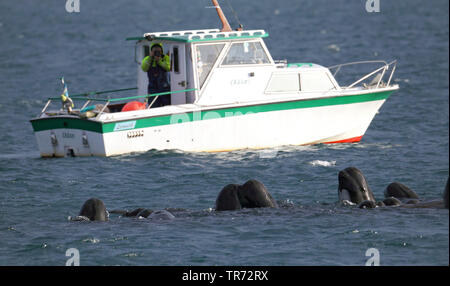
[[157, 66]]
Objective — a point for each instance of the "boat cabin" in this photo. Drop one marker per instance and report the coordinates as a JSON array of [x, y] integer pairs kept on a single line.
[[227, 67]]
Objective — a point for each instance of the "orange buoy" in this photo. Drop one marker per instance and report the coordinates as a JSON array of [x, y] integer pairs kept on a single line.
[[133, 105]]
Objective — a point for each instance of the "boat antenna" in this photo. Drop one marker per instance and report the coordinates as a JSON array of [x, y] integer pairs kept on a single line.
[[235, 17], [225, 25]]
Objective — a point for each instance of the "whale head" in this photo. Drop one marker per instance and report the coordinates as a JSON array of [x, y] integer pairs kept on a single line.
[[353, 186], [94, 209], [399, 191]]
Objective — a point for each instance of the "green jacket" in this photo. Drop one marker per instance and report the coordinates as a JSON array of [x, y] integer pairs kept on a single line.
[[164, 62]]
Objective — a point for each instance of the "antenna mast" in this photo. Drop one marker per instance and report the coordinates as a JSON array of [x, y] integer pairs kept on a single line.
[[225, 25]]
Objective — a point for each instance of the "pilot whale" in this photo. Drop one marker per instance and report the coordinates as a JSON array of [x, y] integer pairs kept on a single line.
[[354, 189], [92, 210], [252, 194], [146, 213], [353, 186]]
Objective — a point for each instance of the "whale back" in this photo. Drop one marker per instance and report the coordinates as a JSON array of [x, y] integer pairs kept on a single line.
[[392, 201], [161, 215], [144, 213], [367, 204], [134, 212]]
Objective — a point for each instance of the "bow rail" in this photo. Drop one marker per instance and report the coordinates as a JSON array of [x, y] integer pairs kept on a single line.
[[380, 73]]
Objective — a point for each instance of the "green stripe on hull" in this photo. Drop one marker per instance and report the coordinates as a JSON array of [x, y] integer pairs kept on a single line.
[[73, 123], [70, 123]]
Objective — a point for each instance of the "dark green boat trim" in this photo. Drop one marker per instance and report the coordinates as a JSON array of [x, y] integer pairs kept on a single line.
[[50, 123]]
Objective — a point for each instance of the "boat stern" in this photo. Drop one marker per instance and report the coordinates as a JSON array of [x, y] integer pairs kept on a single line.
[[63, 136]]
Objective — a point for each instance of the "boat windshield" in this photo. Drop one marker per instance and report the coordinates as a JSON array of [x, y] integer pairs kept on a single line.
[[206, 57], [246, 53]]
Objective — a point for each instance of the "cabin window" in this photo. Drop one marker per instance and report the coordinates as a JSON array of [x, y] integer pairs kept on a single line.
[[284, 82], [316, 81], [206, 57], [146, 51], [176, 61], [246, 53]]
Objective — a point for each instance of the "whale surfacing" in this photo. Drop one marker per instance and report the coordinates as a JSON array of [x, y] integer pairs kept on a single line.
[[398, 190], [353, 187], [253, 194], [94, 209]]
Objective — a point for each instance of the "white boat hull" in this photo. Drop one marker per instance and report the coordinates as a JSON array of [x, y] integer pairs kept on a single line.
[[212, 131]]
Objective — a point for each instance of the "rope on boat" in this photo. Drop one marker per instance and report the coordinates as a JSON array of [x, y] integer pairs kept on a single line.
[[104, 91]]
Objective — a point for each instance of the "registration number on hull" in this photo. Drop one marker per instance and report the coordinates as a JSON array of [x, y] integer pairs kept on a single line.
[[135, 133]]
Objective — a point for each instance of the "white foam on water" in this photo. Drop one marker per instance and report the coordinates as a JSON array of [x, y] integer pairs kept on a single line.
[[270, 153], [376, 145], [78, 218], [323, 163], [334, 47], [92, 240]]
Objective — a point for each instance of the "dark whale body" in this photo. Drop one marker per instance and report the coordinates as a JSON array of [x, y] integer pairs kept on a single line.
[[398, 190], [353, 187], [146, 213], [253, 194], [94, 209]]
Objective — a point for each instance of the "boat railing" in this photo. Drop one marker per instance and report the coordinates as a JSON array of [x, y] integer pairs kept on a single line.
[[203, 34], [380, 73], [86, 97]]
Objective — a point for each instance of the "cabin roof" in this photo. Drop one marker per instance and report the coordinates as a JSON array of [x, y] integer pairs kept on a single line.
[[201, 35]]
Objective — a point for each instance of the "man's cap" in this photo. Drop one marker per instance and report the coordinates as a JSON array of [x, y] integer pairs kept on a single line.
[[156, 44]]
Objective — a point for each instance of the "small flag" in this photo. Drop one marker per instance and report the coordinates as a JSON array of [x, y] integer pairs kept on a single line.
[[66, 100]]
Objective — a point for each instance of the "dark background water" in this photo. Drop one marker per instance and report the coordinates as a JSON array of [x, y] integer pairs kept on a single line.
[[407, 141]]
